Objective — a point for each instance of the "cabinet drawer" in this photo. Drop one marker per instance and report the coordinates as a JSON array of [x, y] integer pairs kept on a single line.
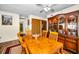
[[78, 45], [60, 40], [70, 45]]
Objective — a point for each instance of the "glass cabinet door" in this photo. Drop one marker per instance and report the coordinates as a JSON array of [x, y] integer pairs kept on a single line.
[[53, 25], [72, 25], [61, 24]]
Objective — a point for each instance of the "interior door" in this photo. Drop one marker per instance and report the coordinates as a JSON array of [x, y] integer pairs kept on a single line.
[[35, 26]]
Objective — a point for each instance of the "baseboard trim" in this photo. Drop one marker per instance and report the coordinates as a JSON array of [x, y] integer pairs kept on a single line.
[[9, 41]]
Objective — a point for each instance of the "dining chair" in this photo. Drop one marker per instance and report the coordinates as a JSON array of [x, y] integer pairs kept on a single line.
[[23, 44], [44, 33], [53, 35]]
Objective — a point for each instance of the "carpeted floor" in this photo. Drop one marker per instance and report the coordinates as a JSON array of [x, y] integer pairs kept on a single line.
[[14, 47], [4, 45]]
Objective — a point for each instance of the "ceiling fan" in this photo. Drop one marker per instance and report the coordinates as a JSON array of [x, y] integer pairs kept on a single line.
[[46, 7]]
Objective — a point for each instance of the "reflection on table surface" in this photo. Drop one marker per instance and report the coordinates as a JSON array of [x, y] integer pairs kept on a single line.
[[43, 46]]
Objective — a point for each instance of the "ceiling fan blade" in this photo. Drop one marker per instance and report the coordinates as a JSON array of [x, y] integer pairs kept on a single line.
[[41, 11]]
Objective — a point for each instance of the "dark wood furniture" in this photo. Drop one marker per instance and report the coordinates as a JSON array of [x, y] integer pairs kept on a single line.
[[67, 27], [70, 43]]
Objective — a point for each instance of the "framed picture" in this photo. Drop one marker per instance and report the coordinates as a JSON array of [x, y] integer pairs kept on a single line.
[[6, 20]]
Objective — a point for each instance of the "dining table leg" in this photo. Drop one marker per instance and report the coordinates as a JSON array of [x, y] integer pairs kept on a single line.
[[61, 50]]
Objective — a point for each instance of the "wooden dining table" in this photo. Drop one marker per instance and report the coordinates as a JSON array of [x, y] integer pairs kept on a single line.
[[43, 46]]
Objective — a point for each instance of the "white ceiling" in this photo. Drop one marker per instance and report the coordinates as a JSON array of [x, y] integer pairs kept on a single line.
[[31, 9]]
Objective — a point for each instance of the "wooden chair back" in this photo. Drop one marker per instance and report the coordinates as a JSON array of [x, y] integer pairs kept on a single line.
[[23, 44], [20, 38], [53, 35], [44, 33]]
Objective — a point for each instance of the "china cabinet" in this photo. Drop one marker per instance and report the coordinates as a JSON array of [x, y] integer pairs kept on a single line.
[[67, 27]]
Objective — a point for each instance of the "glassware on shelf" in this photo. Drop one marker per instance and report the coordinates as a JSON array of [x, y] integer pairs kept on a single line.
[[61, 23], [72, 25]]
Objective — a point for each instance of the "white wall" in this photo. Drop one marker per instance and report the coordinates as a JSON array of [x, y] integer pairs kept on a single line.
[[67, 10], [9, 32]]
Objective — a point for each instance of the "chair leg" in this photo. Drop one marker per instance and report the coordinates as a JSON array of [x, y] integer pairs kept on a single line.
[[26, 49], [61, 50], [58, 51], [23, 50]]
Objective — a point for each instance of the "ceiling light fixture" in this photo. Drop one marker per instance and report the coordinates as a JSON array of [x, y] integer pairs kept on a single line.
[[47, 9]]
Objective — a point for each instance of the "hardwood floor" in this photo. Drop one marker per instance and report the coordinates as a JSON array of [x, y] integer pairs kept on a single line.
[[17, 48]]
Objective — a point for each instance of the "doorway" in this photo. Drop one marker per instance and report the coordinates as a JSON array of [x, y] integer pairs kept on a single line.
[[36, 26]]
